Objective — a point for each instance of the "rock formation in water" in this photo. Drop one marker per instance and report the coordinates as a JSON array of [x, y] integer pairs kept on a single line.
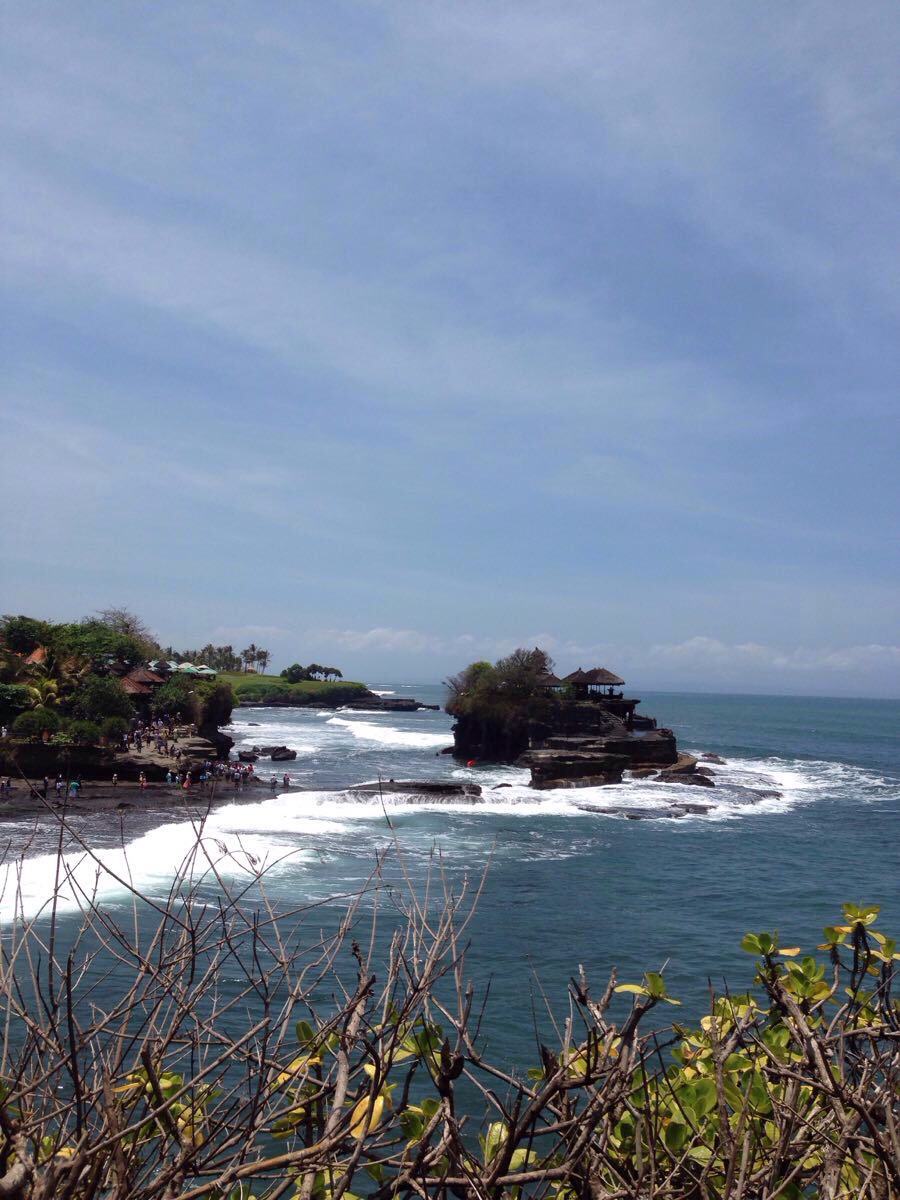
[[572, 732]]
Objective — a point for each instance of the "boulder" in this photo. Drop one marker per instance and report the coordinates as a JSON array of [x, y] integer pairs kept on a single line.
[[247, 756], [585, 781], [684, 764], [684, 777], [283, 754], [713, 758], [552, 768]]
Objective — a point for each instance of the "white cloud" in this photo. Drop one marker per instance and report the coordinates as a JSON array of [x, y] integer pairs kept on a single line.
[[695, 653]]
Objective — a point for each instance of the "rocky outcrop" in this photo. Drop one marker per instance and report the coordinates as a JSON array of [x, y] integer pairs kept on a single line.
[[221, 743], [283, 754], [690, 778], [565, 761], [373, 703], [552, 768], [505, 737], [417, 787]]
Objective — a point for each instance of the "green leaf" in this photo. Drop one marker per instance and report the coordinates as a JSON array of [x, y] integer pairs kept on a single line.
[[306, 1035], [676, 1136], [635, 988]]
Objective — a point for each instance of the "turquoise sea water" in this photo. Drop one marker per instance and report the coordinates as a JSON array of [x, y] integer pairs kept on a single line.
[[565, 887]]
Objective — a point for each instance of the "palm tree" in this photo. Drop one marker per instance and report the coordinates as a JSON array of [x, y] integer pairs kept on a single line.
[[43, 693], [262, 657], [249, 656]]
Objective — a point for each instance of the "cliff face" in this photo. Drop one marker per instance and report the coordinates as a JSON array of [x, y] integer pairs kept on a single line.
[[577, 744], [504, 739]]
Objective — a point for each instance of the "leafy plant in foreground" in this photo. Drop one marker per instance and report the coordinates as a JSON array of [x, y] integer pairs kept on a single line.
[[242, 1057]]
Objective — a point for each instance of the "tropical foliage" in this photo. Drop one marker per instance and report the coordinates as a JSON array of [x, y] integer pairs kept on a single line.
[[512, 684], [295, 673], [241, 1057]]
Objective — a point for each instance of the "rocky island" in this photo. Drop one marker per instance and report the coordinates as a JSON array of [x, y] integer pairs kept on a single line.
[[578, 731]]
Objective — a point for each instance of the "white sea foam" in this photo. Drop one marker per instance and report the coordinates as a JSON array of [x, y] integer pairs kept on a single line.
[[228, 849], [308, 824], [387, 735]]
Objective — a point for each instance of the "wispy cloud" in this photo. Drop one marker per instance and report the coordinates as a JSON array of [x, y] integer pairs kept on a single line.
[[519, 316]]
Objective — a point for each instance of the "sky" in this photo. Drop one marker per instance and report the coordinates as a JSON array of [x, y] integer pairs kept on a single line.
[[399, 335]]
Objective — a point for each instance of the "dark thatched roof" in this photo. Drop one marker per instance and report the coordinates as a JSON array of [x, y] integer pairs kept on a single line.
[[133, 688], [144, 675], [549, 680], [576, 677], [598, 676]]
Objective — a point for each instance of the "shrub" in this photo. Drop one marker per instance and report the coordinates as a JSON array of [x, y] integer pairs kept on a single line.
[[217, 700], [331, 1069], [36, 723], [114, 728], [84, 733]]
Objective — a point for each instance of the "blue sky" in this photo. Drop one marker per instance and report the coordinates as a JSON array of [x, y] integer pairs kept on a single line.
[[397, 335]]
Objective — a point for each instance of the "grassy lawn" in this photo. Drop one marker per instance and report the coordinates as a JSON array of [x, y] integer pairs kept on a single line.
[[248, 686]]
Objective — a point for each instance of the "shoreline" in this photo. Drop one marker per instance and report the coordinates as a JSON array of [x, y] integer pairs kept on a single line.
[[99, 796]]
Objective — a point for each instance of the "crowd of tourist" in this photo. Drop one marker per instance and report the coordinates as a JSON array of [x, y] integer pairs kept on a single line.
[[159, 737]]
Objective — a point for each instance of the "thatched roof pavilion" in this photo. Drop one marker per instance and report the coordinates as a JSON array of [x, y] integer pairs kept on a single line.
[[591, 684], [549, 681], [597, 677], [134, 688], [144, 675]]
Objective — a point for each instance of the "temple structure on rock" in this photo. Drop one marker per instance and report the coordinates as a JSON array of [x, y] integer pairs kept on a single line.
[[599, 686]]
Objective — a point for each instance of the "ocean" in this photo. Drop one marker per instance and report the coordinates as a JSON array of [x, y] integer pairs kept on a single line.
[[563, 887]]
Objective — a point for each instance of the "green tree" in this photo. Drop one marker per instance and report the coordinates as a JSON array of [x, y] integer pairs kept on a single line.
[[295, 673], [217, 701], [512, 683], [98, 643], [14, 699], [178, 697], [127, 624], [114, 729], [23, 634], [100, 696]]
